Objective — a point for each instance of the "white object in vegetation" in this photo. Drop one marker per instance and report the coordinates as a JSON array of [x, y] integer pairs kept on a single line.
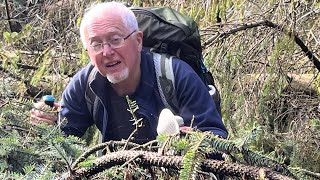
[[168, 123]]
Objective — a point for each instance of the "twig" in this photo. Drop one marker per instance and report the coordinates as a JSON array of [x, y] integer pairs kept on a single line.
[[15, 127], [129, 138], [2, 105], [23, 66], [133, 107], [33, 53], [309, 173], [162, 148], [64, 158], [8, 15]]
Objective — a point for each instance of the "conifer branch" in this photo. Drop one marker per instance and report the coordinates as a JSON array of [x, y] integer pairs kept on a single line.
[[63, 157], [191, 159], [110, 144], [222, 145], [254, 158], [219, 144], [133, 107], [175, 162]]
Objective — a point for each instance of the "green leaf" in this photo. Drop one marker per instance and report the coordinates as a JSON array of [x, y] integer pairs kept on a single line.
[[7, 36], [14, 35], [27, 27]]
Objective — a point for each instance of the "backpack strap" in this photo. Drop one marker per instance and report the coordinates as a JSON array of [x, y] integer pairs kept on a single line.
[[92, 102], [165, 80], [91, 98]]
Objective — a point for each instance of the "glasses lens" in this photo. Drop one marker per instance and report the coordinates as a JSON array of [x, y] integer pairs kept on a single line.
[[116, 42], [97, 47]]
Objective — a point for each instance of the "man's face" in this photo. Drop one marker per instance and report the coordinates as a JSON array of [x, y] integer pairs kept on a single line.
[[117, 64]]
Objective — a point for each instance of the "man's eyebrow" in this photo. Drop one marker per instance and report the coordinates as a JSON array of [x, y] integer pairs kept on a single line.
[[93, 39]]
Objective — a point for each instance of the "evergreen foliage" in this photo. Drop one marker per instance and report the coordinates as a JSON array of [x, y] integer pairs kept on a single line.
[[266, 77], [34, 151]]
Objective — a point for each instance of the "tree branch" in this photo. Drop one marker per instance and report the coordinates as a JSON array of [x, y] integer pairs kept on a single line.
[[8, 15], [174, 162], [23, 66], [270, 24]]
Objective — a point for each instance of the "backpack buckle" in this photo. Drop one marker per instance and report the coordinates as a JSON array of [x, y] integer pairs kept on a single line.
[[163, 47]]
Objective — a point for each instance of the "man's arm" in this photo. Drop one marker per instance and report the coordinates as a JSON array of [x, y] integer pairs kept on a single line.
[[74, 107], [194, 100]]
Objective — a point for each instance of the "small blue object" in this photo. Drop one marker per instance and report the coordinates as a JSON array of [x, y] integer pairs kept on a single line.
[[49, 98]]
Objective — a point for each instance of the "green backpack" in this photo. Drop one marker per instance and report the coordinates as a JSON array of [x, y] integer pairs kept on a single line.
[[168, 33]]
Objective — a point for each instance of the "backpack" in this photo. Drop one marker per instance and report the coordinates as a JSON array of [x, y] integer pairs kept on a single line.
[[167, 33]]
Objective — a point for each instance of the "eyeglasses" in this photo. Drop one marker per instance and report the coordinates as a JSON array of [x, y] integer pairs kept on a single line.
[[113, 43]]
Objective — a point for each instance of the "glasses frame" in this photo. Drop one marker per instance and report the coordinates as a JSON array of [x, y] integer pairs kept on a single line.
[[109, 44]]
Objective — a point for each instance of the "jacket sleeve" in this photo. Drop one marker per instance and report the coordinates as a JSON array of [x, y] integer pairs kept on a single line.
[[194, 100], [74, 107]]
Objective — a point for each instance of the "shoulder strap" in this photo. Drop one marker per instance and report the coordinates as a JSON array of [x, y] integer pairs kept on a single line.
[[165, 80], [91, 98], [92, 102]]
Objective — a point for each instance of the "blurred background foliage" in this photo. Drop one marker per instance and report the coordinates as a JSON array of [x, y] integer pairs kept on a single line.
[[265, 79]]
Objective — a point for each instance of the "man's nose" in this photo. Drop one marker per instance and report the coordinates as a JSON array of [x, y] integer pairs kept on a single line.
[[107, 50]]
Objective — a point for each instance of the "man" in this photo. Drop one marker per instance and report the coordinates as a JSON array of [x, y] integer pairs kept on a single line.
[[109, 32]]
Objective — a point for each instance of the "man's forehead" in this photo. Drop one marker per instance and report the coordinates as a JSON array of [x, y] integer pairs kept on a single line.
[[105, 27], [110, 22], [104, 31]]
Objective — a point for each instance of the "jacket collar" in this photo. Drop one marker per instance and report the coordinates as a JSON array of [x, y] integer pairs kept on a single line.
[[147, 83]]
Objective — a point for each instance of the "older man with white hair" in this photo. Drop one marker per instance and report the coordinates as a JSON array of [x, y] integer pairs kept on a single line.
[[110, 34]]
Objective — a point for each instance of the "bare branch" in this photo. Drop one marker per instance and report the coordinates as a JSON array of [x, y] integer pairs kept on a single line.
[[8, 15], [266, 23], [23, 66]]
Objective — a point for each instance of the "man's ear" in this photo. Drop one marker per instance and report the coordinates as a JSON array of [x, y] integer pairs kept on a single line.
[[139, 39]]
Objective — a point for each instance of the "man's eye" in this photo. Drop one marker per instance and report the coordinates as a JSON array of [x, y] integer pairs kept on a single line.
[[115, 40], [96, 44]]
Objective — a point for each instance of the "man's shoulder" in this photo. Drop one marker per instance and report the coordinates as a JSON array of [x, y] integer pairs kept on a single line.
[[146, 59], [181, 67], [146, 54], [79, 80], [82, 74]]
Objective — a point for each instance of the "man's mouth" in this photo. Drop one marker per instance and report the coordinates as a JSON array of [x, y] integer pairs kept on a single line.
[[113, 64]]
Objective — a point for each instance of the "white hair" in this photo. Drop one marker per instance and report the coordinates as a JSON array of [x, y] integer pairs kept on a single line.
[[97, 10], [120, 76]]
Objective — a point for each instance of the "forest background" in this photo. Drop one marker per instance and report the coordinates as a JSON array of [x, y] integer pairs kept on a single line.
[[264, 56]]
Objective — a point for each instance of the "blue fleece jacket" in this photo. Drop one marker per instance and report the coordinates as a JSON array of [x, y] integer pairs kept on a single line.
[[192, 95]]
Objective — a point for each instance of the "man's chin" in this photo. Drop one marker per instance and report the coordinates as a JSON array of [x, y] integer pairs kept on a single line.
[[114, 80], [117, 78]]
